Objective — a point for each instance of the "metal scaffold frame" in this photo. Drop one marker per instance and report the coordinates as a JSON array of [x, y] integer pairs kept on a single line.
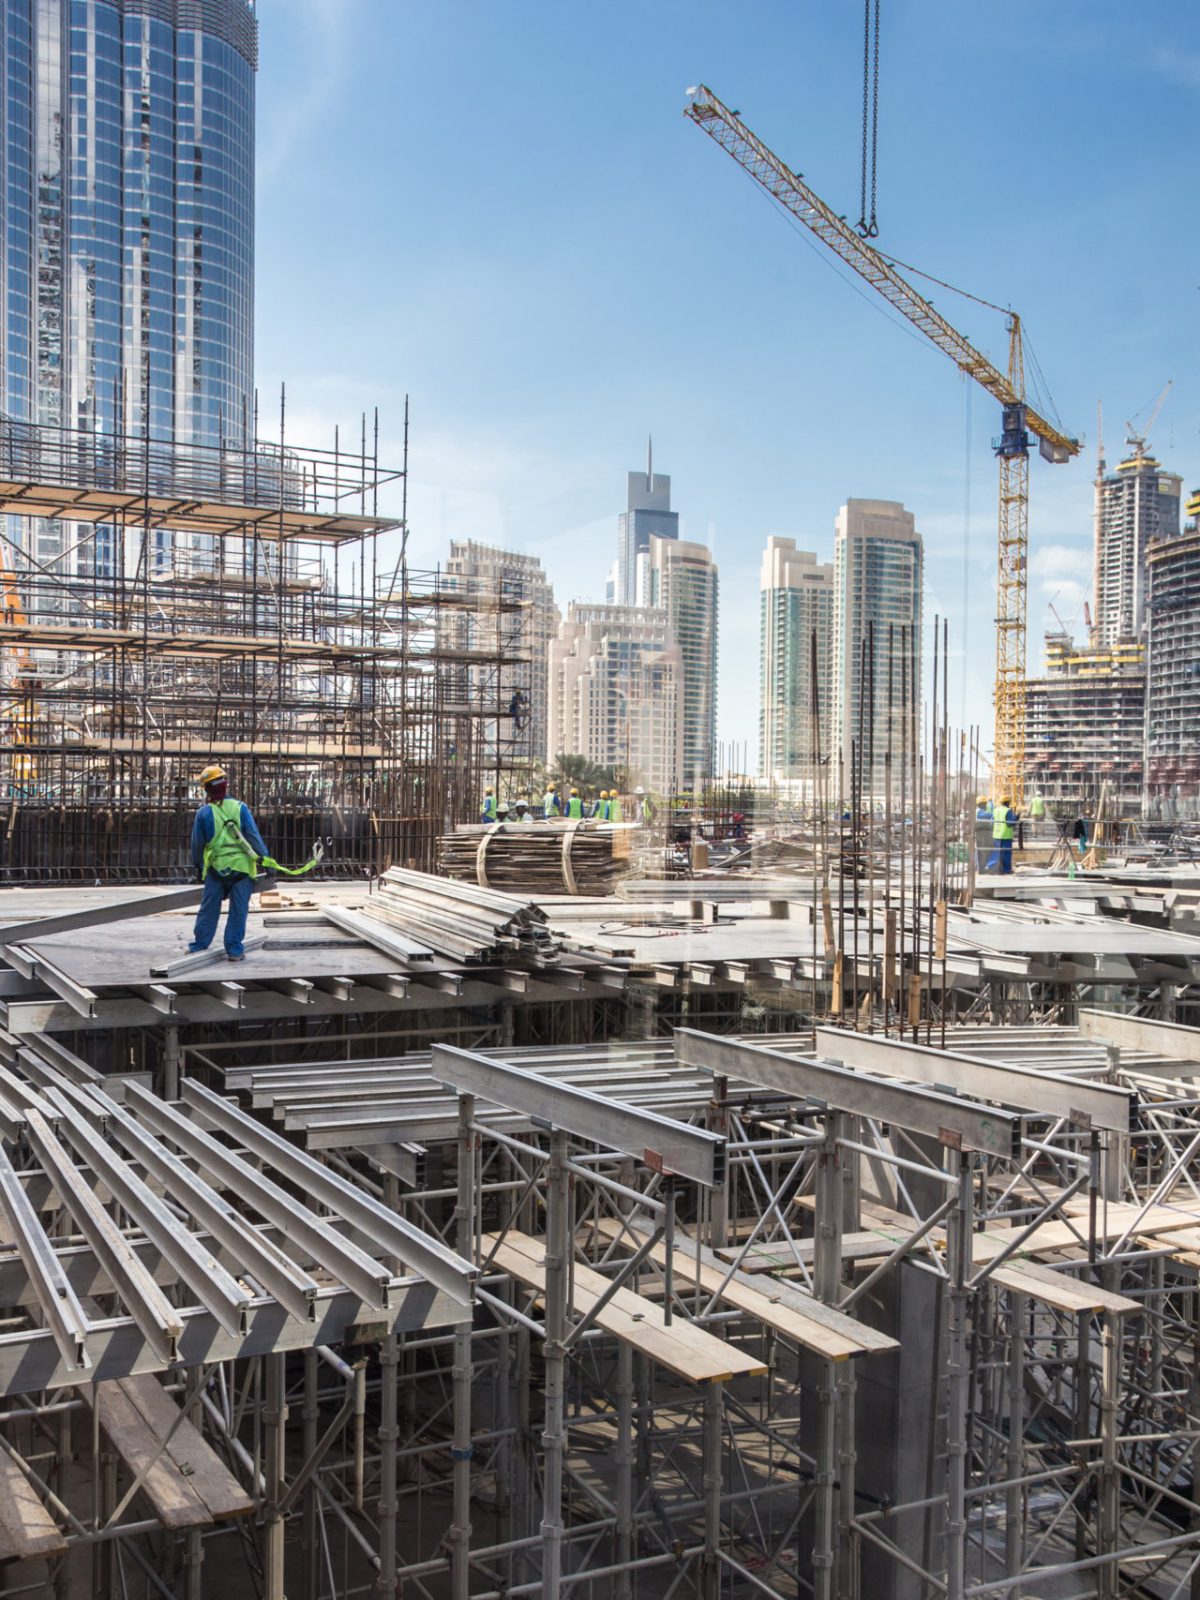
[[165, 606]]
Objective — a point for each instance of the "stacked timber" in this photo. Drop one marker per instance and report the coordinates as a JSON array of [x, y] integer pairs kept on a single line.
[[460, 920], [587, 858]]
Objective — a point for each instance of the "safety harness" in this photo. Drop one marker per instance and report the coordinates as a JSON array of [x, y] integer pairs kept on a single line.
[[227, 832]]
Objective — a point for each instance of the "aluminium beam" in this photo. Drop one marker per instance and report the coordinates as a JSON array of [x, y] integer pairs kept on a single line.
[[66, 1320], [254, 1254], [391, 1233], [147, 905], [1090, 1105], [1174, 1040], [296, 1221], [952, 1122], [191, 1257], [30, 1359], [658, 1142], [136, 1288]]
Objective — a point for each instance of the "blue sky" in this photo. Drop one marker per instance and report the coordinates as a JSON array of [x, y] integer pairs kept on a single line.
[[497, 207]]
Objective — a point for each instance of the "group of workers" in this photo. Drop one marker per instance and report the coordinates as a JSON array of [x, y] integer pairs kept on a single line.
[[607, 807], [997, 824]]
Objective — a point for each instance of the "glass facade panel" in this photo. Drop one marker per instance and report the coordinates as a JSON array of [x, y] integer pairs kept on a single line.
[[128, 216]]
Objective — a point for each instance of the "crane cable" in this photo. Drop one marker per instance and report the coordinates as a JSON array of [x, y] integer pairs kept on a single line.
[[869, 226]]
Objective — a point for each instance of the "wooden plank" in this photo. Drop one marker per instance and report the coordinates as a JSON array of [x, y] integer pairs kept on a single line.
[[1060, 1235], [797, 1316], [174, 1502], [680, 1346], [27, 1530], [776, 1257], [1060, 1290], [198, 1462]]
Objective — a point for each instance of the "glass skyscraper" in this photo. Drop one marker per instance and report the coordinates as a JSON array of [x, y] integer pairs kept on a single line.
[[127, 218]]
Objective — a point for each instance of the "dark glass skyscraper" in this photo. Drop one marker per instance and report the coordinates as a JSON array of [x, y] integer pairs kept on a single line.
[[127, 218]]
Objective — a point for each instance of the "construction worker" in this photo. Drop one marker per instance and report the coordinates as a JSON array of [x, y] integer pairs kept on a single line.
[[524, 814], [603, 807], [574, 806], [646, 807], [983, 832], [502, 812], [614, 806], [487, 811], [1004, 821], [550, 804], [226, 847], [1037, 808]]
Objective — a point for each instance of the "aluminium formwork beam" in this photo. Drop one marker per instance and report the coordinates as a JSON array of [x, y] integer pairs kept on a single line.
[[952, 1122], [1091, 1105], [388, 1231], [658, 1142], [1174, 1040]]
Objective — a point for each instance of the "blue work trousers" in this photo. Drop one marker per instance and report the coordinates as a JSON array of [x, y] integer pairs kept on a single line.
[[238, 887], [1001, 856]]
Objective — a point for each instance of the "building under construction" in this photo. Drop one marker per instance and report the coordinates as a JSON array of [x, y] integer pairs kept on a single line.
[[1085, 726], [166, 604], [1173, 683]]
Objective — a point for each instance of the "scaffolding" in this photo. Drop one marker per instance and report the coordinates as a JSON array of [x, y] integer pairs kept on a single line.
[[165, 606]]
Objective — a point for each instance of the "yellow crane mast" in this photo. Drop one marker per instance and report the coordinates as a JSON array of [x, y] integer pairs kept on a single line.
[[1019, 419]]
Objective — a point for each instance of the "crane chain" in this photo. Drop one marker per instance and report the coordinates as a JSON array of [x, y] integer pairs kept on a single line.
[[868, 225]]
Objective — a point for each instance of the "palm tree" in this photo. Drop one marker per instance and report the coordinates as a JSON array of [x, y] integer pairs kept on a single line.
[[575, 771]]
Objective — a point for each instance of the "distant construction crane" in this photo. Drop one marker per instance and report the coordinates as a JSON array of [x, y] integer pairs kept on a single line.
[[1019, 419], [1139, 441]]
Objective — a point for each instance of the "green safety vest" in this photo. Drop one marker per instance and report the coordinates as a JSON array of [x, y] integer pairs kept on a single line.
[[1037, 807], [1002, 827], [489, 807], [614, 809], [575, 806], [228, 850], [603, 810], [647, 809], [549, 803]]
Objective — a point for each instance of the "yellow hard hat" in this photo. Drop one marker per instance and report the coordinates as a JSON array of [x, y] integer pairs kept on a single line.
[[604, 794], [211, 774], [574, 791], [489, 790], [981, 799]]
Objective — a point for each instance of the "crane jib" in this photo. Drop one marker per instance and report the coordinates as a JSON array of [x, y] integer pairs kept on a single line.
[[727, 129]]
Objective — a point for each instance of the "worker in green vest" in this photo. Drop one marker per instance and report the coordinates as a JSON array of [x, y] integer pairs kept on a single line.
[[1037, 808], [487, 812], [524, 815], [574, 806], [226, 849], [601, 812], [550, 806], [1004, 821], [614, 807]]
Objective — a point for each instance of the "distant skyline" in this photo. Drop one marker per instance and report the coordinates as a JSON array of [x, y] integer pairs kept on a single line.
[[502, 211]]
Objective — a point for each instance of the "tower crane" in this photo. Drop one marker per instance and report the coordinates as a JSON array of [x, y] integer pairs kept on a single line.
[[1019, 420], [1139, 441]]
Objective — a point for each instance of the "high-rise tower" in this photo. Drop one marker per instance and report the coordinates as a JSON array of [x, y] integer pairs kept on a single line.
[[1136, 503], [127, 144], [795, 653], [878, 577], [680, 576], [647, 511]]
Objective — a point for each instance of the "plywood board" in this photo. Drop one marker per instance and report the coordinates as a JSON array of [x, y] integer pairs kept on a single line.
[[27, 1530], [797, 1316], [680, 1346], [187, 1485]]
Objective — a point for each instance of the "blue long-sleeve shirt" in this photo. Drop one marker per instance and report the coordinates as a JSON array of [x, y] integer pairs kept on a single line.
[[202, 832]]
